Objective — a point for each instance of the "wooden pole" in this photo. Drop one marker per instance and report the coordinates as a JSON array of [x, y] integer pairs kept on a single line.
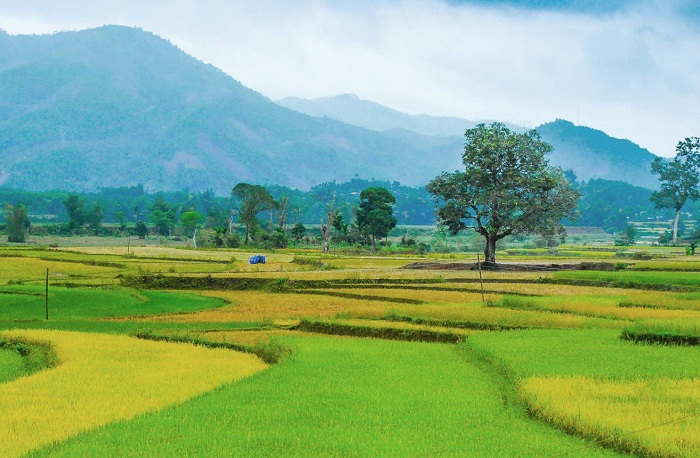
[[481, 278], [128, 245], [47, 294]]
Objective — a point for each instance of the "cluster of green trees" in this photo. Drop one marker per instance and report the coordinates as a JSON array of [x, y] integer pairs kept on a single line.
[[131, 204], [263, 218], [374, 217]]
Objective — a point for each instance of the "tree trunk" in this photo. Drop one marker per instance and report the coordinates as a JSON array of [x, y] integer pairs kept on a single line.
[[326, 234], [194, 238], [490, 250], [675, 226], [374, 244]]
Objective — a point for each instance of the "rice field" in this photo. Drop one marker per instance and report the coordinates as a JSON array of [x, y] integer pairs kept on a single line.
[[104, 378], [541, 362], [662, 414], [335, 397]]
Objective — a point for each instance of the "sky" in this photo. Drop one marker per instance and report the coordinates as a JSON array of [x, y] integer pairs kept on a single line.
[[628, 67]]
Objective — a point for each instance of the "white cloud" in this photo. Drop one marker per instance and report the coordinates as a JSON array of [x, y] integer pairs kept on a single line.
[[634, 73]]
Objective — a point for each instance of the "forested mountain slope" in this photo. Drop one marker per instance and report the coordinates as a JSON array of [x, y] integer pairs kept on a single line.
[[117, 106]]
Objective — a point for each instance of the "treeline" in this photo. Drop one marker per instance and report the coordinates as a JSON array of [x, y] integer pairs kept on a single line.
[[131, 204], [604, 203]]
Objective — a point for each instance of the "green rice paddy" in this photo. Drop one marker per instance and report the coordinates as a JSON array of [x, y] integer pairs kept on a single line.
[[533, 333]]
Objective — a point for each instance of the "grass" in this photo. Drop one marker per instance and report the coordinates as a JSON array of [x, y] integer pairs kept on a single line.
[[105, 378], [335, 397], [11, 365], [625, 277], [690, 327], [593, 353], [595, 306], [27, 302]]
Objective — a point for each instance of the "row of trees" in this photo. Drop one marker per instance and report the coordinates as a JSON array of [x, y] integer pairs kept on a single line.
[[374, 215], [374, 219], [133, 203]]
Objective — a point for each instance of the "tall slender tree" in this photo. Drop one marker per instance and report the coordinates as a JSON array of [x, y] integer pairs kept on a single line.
[[331, 207], [679, 179], [76, 211]]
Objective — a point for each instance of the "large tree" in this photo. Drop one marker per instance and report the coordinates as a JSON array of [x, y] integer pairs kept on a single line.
[[507, 188], [252, 199], [18, 223], [163, 216], [679, 179], [75, 207], [190, 222], [375, 215]]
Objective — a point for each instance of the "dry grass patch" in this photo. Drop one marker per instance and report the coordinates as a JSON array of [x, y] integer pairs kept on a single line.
[[487, 315], [601, 306], [403, 325], [249, 338], [656, 417], [427, 295], [664, 300], [545, 289], [260, 306], [103, 378]]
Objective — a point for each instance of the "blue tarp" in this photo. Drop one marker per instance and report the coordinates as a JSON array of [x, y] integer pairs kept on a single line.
[[257, 259]]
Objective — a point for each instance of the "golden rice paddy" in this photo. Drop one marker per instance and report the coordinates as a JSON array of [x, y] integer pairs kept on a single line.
[[654, 417], [103, 378]]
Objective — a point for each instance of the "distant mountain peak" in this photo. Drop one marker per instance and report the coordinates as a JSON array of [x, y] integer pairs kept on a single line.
[[591, 153]]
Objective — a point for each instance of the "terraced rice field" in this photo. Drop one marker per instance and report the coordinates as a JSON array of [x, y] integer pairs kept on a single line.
[[539, 358]]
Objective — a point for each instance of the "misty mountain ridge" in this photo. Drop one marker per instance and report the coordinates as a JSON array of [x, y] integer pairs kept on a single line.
[[590, 153], [116, 106]]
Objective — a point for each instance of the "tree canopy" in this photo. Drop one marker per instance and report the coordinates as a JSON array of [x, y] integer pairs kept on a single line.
[[253, 199], [679, 179], [507, 188], [18, 223], [375, 215], [163, 216]]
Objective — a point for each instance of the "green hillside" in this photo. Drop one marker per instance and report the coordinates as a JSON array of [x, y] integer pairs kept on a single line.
[[117, 106]]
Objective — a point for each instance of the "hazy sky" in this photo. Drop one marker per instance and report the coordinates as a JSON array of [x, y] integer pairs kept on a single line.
[[630, 68]]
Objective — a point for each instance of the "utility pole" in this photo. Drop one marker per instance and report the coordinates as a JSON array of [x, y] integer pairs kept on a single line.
[[481, 279], [47, 294]]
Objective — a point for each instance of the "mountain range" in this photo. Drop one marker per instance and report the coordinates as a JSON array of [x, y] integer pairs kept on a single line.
[[590, 153], [118, 106]]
